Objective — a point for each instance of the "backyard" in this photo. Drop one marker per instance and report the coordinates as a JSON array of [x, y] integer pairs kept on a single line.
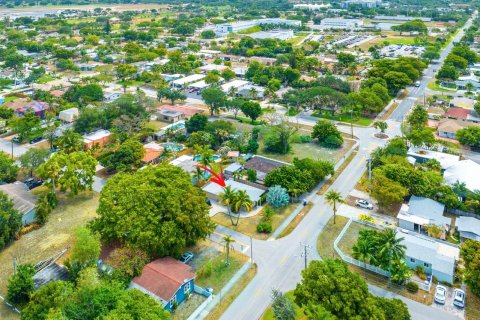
[[54, 236], [345, 117]]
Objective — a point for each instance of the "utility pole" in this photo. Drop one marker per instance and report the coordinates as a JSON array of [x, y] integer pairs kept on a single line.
[[351, 122], [369, 175], [251, 250], [305, 251]]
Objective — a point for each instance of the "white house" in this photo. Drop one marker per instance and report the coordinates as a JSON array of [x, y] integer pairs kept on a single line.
[[420, 212], [468, 228], [466, 171], [340, 23], [213, 190]]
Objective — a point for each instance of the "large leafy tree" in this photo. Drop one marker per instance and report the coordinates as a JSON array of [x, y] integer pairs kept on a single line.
[[196, 123], [71, 172], [214, 98], [470, 253], [327, 133], [469, 136], [170, 94], [33, 158], [127, 157], [418, 118], [157, 209], [85, 252], [8, 168], [25, 125], [251, 109], [10, 221], [296, 181], [21, 285], [330, 289], [51, 296]]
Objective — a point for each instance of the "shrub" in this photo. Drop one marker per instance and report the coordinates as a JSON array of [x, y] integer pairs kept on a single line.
[[205, 270], [264, 227], [366, 218], [277, 196], [412, 287]]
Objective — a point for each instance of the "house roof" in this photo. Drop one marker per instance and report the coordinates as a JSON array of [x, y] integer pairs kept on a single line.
[[253, 192], [97, 135], [234, 167], [23, 199], [263, 164], [445, 159], [466, 171], [151, 154], [457, 113], [424, 211], [452, 125], [186, 110], [468, 224], [442, 256], [163, 277], [53, 272]]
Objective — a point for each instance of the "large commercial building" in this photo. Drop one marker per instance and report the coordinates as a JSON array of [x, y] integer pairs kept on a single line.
[[233, 27], [340, 23]]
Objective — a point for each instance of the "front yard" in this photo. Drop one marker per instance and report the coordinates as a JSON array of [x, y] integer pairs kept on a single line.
[[345, 117]]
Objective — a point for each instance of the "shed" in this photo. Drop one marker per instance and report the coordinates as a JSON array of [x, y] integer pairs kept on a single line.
[[52, 272], [68, 115]]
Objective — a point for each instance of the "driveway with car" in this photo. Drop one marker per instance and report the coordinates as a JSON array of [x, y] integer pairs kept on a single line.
[[448, 306]]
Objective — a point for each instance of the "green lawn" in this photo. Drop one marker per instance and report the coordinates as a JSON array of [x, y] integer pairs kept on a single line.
[[299, 315], [10, 98], [433, 85], [328, 235], [345, 117], [129, 83], [44, 79]]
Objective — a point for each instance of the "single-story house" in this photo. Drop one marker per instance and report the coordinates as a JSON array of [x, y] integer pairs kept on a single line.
[[187, 111], [263, 165], [447, 128], [468, 228], [457, 113], [170, 115], [99, 137], [466, 171], [23, 200], [420, 212], [232, 168], [167, 280], [437, 258], [37, 107], [152, 152], [52, 272], [213, 190], [68, 115], [422, 155]]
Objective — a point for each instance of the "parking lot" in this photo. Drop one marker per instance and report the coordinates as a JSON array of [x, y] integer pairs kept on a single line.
[[400, 50], [449, 307]]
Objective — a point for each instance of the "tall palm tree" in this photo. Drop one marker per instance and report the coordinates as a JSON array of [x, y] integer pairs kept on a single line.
[[333, 198], [237, 175], [362, 251], [391, 248], [206, 157], [242, 200], [228, 240], [70, 141], [198, 175], [227, 197]]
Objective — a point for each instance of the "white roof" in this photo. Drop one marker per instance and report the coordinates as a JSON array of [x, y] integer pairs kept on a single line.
[[73, 111], [465, 171], [188, 79], [445, 159], [212, 67], [234, 83], [97, 135], [199, 85], [468, 224], [153, 145], [253, 193]]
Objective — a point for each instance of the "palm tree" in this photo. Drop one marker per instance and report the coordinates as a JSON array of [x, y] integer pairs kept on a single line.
[[232, 91], [206, 156], [228, 197], [242, 200], [237, 175], [460, 189], [70, 141], [380, 125], [228, 240], [362, 251], [333, 197], [198, 175], [391, 248]]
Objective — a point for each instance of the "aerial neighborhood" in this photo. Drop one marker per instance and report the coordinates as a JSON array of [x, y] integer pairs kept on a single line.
[[273, 160]]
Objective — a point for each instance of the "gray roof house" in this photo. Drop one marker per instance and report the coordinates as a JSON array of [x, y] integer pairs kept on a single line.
[[437, 258], [23, 200], [263, 165], [420, 212], [213, 190], [468, 227]]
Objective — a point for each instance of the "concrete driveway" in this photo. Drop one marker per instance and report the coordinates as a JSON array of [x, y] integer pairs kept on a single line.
[[448, 307], [18, 149]]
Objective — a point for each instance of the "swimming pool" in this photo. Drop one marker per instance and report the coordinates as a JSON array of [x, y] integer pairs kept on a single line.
[[172, 146], [199, 157]]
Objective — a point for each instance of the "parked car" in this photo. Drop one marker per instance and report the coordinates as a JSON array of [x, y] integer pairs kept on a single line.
[[32, 183], [417, 84], [364, 204], [35, 140], [440, 294], [186, 257], [459, 298]]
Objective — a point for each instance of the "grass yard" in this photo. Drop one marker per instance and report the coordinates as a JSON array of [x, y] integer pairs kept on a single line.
[[299, 315], [156, 125], [54, 236], [433, 85], [214, 273], [472, 308], [226, 301], [350, 237], [130, 83], [45, 79], [295, 40], [248, 226], [10, 98], [328, 235], [345, 117]]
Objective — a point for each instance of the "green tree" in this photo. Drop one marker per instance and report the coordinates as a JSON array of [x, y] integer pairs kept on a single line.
[[33, 158], [128, 262], [8, 168], [290, 178], [251, 109], [327, 133], [127, 157], [242, 200], [10, 221], [227, 240], [50, 296], [125, 71], [157, 209], [333, 198], [380, 125], [24, 126], [447, 73], [20, 284], [85, 252], [396, 81], [70, 141], [196, 123], [421, 137], [207, 34], [227, 197], [71, 172], [282, 306], [469, 136], [386, 191], [214, 98], [170, 94], [470, 253], [418, 118]]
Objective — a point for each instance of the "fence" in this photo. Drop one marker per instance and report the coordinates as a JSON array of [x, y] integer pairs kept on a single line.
[[459, 212]]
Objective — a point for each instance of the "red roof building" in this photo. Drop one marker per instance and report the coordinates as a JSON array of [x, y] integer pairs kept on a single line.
[[457, 113], [167, 280]]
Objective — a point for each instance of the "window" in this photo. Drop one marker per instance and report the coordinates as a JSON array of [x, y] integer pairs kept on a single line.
[[186, 288], [173, 302], [412, 260], [426, 265]]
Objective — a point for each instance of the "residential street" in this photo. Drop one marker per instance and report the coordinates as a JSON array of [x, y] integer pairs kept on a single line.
[[280, 262]]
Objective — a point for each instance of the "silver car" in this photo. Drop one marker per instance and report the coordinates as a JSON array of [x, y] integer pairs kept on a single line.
[[440, 294], [459, 298], [364, 204]]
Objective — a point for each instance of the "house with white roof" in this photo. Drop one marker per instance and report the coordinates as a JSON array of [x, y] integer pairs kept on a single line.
[[182, 82], [437, 258], [420, 212], [466, 171], [468, 228], [214, 190], [422, 155]]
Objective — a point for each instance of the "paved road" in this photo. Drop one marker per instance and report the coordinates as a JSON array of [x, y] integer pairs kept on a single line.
[[280, 262], [18, 150]]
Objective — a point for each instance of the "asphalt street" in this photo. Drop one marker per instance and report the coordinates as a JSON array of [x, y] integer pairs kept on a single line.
[[280, 261]]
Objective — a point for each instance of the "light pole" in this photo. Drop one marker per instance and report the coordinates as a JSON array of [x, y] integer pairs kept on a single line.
[[351, 122]]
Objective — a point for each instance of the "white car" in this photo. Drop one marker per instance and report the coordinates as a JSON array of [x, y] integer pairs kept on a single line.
[[459, 298], [440, 294], [364, 204]]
